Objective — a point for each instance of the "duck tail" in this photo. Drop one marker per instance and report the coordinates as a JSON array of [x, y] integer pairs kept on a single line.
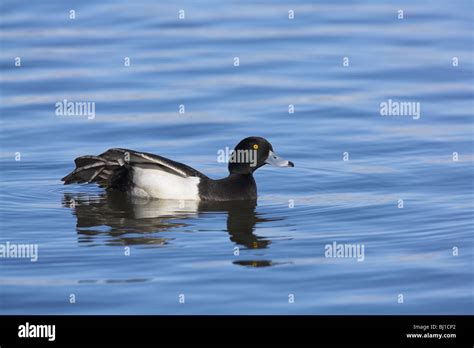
[[96, 169]]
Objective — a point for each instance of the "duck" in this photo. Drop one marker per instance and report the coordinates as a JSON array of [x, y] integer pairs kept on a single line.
[[145, 175]]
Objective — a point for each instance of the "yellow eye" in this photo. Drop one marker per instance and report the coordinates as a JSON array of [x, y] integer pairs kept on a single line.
[[255, 146]]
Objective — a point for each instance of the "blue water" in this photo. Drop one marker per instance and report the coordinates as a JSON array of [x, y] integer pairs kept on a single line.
[[83, 234]]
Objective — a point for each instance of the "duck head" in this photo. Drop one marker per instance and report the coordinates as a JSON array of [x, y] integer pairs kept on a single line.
[[252, 153]]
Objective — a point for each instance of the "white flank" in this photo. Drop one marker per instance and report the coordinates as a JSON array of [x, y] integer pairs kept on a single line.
[[166, 164], [154, 183]]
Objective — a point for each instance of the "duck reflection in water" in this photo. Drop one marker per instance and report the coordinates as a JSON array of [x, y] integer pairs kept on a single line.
[[120, 218]]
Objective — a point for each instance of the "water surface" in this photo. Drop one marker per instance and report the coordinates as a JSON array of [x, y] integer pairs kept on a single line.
[[122, 256]]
